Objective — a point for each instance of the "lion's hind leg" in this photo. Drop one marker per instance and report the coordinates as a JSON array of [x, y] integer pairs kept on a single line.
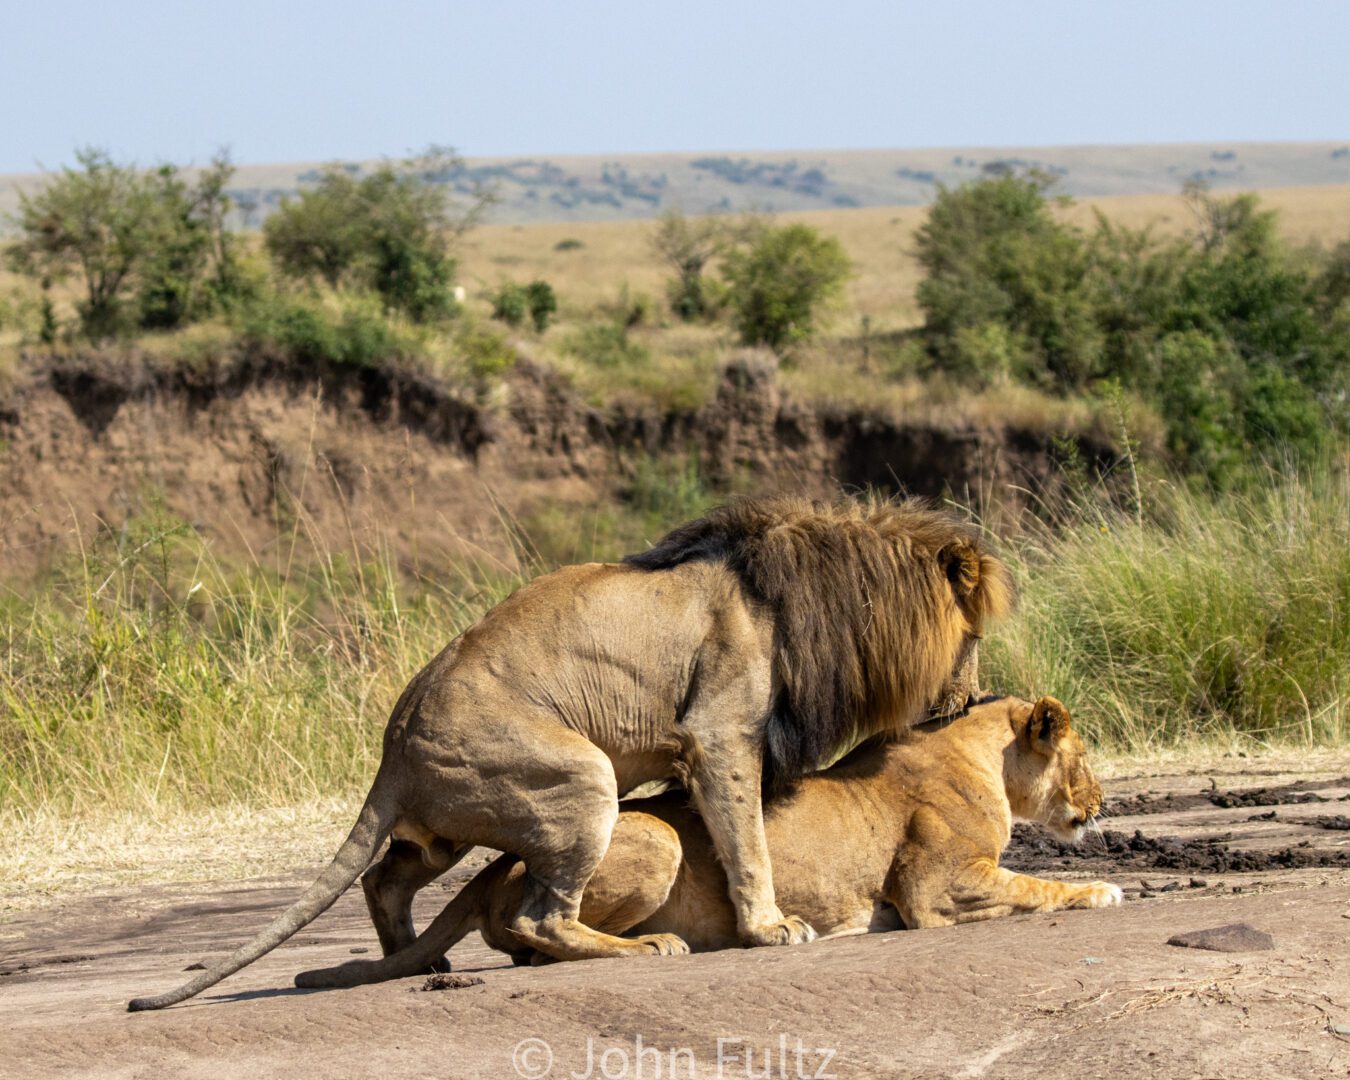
[[469, 910], [391, 884], [571, 817]]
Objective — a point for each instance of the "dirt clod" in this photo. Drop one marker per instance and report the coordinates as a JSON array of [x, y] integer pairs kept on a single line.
[[1035, 851], [451, 982], [1234, 937]]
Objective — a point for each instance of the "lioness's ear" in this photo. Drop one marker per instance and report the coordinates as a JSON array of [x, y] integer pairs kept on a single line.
[[1049, 723]]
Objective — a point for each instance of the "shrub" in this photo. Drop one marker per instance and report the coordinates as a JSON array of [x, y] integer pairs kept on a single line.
[[992, 253], [1237, 340], [778, 281], [687, 246], [150, 248], [388, 232], [352, 331], [486, 354], [569, 243], [512, 302], [542, 302], [607, 344], [509, 303]]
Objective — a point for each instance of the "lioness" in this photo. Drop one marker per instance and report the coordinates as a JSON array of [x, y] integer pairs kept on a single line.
[[904, 834], [746, 648]]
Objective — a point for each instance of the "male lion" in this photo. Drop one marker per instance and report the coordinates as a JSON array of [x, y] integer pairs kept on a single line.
[[905, 834], [745, 649]]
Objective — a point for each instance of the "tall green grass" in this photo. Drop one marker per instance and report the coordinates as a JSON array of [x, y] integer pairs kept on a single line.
[[145, 674], [1193, 616]]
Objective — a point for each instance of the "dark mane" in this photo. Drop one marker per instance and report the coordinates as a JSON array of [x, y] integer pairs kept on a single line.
[[872, 601]]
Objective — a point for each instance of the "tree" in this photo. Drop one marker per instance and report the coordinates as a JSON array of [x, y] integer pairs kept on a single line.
[[687, 245], [191, 267], [993, 253], [390, 231], [779, 279], [150, 237]]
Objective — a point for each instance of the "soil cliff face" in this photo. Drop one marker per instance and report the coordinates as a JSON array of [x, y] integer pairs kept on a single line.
[[243, 450]]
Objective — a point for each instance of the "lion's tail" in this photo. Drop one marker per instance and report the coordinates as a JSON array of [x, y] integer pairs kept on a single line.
[[460, 916], [373, 826]]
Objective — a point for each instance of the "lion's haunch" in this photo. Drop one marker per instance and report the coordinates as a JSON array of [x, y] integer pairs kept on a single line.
[[745, 649]]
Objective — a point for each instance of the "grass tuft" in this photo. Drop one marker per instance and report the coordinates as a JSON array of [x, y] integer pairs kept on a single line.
[[1195, 619]]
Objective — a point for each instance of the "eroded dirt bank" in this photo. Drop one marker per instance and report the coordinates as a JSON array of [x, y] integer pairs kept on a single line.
[[1097, 993], [243, 447]]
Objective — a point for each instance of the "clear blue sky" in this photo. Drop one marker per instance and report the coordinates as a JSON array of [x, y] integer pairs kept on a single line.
[[293, 80]]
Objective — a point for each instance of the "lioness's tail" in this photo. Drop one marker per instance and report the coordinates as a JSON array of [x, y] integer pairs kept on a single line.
[[372, 827], [466, 912]]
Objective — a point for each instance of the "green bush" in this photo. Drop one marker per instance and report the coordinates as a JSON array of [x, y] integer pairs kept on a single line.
[[150, 248], [388, 232], [486, 355], [1238, 341], [542, 302], [607, 345], [992, 253], [778, 281], [509, 303], [512, 302], [355, 331]]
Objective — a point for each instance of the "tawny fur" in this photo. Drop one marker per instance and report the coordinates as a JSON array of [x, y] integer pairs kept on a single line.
[[900, 834], [750, 646], [853, 585]]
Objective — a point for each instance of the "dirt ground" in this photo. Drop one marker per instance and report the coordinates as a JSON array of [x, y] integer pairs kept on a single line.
[[1096, 993]]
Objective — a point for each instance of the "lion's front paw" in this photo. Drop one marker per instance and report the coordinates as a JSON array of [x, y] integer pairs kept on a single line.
[[789, 930], [665, 944], [1099, 894]]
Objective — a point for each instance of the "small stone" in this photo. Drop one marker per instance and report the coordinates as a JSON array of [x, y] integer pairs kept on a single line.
[[198, 966], [1340, 1029], [1090, 960], [1235, 937], [358, 950], [1199, 883]]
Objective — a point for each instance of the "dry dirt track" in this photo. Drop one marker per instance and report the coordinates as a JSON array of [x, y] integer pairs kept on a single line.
[[1083, 993]]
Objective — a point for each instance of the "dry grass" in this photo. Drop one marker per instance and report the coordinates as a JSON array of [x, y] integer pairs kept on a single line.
[[879, 240]]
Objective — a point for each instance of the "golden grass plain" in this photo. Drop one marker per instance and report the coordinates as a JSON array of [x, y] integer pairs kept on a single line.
[[879, 240]]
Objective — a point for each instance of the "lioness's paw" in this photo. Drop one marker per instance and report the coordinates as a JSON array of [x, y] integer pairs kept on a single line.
[[344, 975], [787, 931], [665, 944], [1100, 894]]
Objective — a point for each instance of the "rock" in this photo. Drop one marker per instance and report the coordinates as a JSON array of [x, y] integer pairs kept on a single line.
[[358, 950], [198, 966], [1235, 937]]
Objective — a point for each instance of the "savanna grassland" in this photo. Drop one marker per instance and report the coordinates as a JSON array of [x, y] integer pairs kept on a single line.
[[1193, 595]]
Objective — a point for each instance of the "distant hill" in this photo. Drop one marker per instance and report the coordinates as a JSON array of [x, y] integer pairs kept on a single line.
[[628, 186]]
